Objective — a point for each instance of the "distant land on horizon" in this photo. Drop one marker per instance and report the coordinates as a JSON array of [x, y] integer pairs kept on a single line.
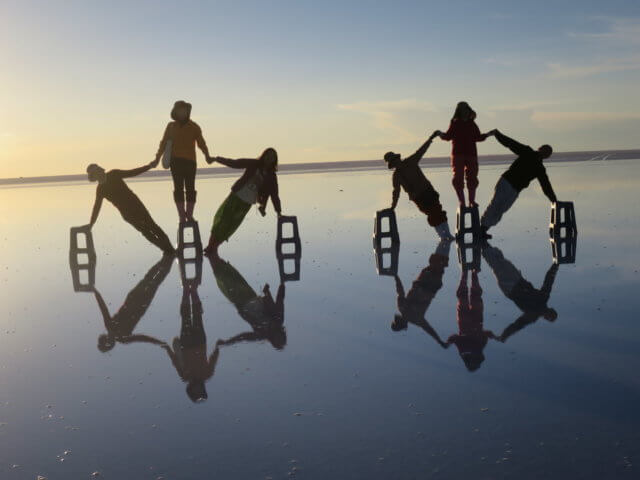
[[160, 173]]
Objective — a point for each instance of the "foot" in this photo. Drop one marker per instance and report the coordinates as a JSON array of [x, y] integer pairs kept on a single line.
[[474, 204], [169, 252], [461, 204], [211, 251], [485, 234]]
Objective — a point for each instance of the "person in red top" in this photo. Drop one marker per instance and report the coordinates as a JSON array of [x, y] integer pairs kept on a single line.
[[463, 134]]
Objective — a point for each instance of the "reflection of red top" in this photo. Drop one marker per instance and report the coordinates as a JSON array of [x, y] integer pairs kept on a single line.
[[464, 134]]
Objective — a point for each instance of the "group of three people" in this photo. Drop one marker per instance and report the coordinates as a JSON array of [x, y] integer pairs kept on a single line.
[[259, 181]]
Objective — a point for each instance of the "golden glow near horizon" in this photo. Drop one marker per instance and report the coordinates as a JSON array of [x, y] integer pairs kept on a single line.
[[89, 82]]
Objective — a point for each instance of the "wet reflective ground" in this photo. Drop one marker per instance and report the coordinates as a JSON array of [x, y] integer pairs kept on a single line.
[[524, 370]]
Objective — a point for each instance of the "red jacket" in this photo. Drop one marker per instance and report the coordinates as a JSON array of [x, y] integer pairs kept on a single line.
[[464, 135]]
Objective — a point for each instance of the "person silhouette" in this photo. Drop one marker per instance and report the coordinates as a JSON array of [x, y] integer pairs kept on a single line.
[[111, 186], [520, 173], [463, 134], [471, 338], [121, 325], [258, 183], [532, 301], [184, 135], [263, 313], [189, 353], [408, 175], [413, 305]]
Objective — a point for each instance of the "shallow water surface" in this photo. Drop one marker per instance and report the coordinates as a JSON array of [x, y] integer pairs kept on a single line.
[[528, 369]]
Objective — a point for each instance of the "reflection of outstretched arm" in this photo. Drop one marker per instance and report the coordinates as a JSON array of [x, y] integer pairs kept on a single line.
[[141, 339], [97, 204], [103, 309], [399, 288], [549, 279], [242, 337], [519, 324], [213, 361], [424, 325], [174, 359]]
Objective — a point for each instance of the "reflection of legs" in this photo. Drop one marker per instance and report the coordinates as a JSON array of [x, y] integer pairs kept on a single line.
[[457, 163], [505, 272], [471, 174], [475, 300], [192, 332], [503, 198], [232, 284]]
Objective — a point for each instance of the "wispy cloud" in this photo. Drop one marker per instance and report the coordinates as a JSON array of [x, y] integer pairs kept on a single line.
[[616, 30], [385, 114], [565, 70], [578, 120]]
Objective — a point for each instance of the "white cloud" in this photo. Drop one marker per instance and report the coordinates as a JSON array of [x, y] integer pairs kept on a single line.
[[577, 120], [617, 30], [385, 114], [564, 70]]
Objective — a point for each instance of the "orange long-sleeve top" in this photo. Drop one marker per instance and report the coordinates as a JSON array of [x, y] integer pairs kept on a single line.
[[184, 137]]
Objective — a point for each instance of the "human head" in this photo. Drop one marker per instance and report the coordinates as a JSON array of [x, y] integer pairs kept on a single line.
[[392, 159], [95, 173], [181, 111], [472, 360], [545, 151], [196, 391], [550, 314], [278, 337], [463, 112], [269, 159], [105, 343], [398, 323]]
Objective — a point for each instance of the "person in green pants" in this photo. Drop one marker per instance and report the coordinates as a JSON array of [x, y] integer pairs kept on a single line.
[[257, 184]]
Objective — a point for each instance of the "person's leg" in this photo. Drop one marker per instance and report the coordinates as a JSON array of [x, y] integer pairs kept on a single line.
[[457, 163], [190, 187], [507, 275], [504, 196], [471, 173], [177, 174], [225, 222], [162, 239]]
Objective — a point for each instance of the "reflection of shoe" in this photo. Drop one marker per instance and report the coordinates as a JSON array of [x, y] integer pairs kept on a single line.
[[443, 231], [484, 233], [474, 204]]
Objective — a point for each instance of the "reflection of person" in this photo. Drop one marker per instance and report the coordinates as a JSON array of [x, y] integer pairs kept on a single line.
[[471, 337], [532, 301], [525, 168], [112, 187], [414, 304], [264, 314], [120, 325], [189, 354], [463, 134], [184, 134], [408, 175], [258, 183]]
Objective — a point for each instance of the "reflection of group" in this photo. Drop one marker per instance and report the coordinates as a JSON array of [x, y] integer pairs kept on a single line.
[[471, 337], [189, 352]]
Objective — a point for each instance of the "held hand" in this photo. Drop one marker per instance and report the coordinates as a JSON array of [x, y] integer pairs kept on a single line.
[[210, 160], [154, 163], [435, 134], [262, 210]]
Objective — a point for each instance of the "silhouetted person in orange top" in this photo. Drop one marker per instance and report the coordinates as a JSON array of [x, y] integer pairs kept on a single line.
[[409, 176], [471, 337], [532, 301], [112, 187], [121, 325], [184, 135], [189, 354], [525, 168], [413, 305], [464, 134], [264, 314]]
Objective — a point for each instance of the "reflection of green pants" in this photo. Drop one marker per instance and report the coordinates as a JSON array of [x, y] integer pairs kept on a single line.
[[233, 285], [229, 217]]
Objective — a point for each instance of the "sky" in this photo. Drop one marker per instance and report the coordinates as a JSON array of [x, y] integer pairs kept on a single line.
[[94, 81]]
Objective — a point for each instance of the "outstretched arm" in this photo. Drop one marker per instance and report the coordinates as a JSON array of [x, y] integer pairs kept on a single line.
[[137, 171], [417, 156], [510, 143], [236, 163], [97, 204], [163, 142], [448, 135], [202, 145], [543, 179]]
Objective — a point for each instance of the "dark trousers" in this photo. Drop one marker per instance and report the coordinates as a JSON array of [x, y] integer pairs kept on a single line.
[[183, 173], [141, 220], [429, 204]]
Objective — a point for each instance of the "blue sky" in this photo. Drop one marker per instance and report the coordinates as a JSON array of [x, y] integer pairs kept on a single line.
[[320, 81]]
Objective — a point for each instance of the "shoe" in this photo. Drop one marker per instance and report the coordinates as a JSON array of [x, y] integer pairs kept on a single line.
[[443, 231], [485, 234]]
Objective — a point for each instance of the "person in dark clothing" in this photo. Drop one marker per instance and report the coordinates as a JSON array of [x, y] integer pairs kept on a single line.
[[111, 186], [522, 171], [121, 325], [471, 337], [408, 175], [264, 314], [532, 301], [189, 354], [184, 134], [258, 183], [413, 306]]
